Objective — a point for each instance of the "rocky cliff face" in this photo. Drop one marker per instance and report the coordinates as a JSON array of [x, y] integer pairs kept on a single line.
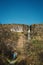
[[28, 40], [37, 31], [14, 36], [19, 36]]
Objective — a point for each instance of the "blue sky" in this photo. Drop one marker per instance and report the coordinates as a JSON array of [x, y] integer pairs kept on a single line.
[[21, 11]]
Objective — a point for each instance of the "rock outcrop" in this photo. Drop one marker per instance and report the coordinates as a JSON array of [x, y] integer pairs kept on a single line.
[[14, 35], [26, 40], [37, 31]]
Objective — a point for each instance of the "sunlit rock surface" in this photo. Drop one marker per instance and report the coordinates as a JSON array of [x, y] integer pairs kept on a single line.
[[37, 31]]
